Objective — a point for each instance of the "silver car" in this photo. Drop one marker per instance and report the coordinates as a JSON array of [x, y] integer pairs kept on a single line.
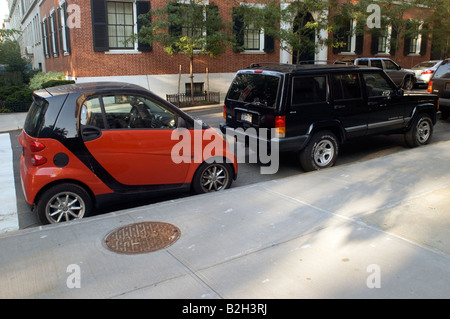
[[425, 70]]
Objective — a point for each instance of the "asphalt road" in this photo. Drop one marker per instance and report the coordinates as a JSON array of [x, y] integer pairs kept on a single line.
[[249, 173]]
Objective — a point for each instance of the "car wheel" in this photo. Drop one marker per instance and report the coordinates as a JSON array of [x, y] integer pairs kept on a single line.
[[321, 151], [212, 177], [408, 83], [62, 203], [420, 132]]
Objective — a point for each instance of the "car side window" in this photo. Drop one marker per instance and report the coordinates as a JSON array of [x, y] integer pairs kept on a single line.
[[129, 111], [346, 86], [91, 113], [376, 63], [377, 85], [310, 89], [390, 65]]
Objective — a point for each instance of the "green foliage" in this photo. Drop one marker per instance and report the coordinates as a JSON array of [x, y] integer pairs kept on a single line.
[[52, 83], [15, 98], [37, 81]]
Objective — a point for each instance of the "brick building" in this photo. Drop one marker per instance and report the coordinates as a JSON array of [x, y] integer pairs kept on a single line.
[[82, 38]]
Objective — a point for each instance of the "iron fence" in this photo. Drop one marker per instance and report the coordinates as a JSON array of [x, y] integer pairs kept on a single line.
[[185, 99]]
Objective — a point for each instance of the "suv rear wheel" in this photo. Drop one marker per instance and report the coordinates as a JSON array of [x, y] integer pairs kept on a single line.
[[62, 203], [420, 132], [321, 151]]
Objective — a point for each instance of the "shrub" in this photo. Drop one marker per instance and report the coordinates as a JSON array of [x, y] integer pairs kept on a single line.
[[38, 80], [56, 83]]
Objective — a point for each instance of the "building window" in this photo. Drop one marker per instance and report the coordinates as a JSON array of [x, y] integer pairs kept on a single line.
[[252, 38], [120, 25], [53, 34]]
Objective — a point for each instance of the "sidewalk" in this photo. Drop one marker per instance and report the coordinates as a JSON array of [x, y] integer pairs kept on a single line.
[[373, 229]]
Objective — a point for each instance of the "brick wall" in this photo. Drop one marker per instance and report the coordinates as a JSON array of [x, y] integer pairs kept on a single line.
[[84, 62]]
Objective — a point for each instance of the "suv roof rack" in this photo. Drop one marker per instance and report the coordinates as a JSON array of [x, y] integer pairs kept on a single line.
[[303, 65]]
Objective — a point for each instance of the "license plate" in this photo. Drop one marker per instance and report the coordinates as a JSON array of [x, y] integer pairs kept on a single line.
[[246, 117]]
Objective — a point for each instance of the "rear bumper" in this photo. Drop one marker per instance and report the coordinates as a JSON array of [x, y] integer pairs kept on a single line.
[[251, 138]]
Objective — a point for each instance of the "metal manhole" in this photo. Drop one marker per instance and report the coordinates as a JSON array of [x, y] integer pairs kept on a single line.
[[141, 238]]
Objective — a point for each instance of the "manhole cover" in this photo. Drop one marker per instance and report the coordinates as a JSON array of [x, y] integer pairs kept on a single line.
[[142, 238]]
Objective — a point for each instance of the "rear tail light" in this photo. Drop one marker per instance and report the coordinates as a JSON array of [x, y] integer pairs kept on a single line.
[[428, 71], [38, 160], [36, 146], [430, 87], [224, 112], [280, 126]]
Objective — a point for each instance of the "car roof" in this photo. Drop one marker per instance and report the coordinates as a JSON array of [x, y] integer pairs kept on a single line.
[[87, 87], [288, 68]]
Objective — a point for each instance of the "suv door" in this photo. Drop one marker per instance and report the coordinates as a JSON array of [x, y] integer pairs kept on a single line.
[[130, 137], [386, 109], [348, 103], [394, 71]]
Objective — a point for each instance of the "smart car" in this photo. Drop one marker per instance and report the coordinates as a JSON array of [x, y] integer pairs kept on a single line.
[[90, 145]]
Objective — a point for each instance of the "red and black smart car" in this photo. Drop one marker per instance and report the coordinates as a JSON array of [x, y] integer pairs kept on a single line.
[[87, 145]]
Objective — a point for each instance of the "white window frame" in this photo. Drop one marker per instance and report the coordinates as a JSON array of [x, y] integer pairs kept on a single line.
[[418, 41], [63, 28], [133, 50], [261, 33], [53, 32]]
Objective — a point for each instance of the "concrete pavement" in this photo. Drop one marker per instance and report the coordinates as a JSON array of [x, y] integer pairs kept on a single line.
[[372, 229]]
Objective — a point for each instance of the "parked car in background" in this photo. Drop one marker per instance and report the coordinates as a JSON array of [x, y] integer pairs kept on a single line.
[[440, 85], [94, 144], [404, 78], [425, 70], [312, 109]]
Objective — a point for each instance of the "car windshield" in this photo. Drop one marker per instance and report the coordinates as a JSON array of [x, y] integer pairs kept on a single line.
[[426, 64], [258, 89]]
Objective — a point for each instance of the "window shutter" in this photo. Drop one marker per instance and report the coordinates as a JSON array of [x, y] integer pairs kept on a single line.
[[423, 44], [393, 41], [238, 26], [44, 38], [60, 31], [374, 43], [269, 44], [99, 25], [359, 44], [142, 7]]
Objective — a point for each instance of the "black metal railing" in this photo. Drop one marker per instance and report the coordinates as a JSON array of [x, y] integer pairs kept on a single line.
[[185, 99]]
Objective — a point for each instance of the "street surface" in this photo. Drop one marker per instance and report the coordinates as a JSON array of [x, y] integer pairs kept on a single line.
[[249, 173]]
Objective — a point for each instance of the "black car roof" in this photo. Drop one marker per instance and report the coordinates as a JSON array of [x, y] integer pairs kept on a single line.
[[288, 68], [87, 87]]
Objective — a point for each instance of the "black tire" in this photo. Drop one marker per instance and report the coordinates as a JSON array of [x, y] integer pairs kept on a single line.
[[321, 151], [63, 202], [408, 83], [212, 177], [420, 132]]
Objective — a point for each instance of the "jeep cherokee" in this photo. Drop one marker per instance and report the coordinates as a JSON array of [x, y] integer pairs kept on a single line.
[[313, 109]]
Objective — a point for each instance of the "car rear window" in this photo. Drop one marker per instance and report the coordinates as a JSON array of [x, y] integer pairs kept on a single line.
[[35, 117], [443, 71], [255, 88]]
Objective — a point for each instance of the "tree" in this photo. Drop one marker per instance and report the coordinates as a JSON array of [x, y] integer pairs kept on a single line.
[[189, 28]]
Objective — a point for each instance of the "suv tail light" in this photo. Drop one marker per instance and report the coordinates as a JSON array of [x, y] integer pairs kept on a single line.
[[280, 126], [224, 112], [430, 87]]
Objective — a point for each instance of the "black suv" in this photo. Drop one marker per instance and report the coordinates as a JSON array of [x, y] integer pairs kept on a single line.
[[312, 109], [440, 85]]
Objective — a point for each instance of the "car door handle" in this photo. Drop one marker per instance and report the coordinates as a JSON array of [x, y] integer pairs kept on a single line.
[[339, 106], [90, 133]]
